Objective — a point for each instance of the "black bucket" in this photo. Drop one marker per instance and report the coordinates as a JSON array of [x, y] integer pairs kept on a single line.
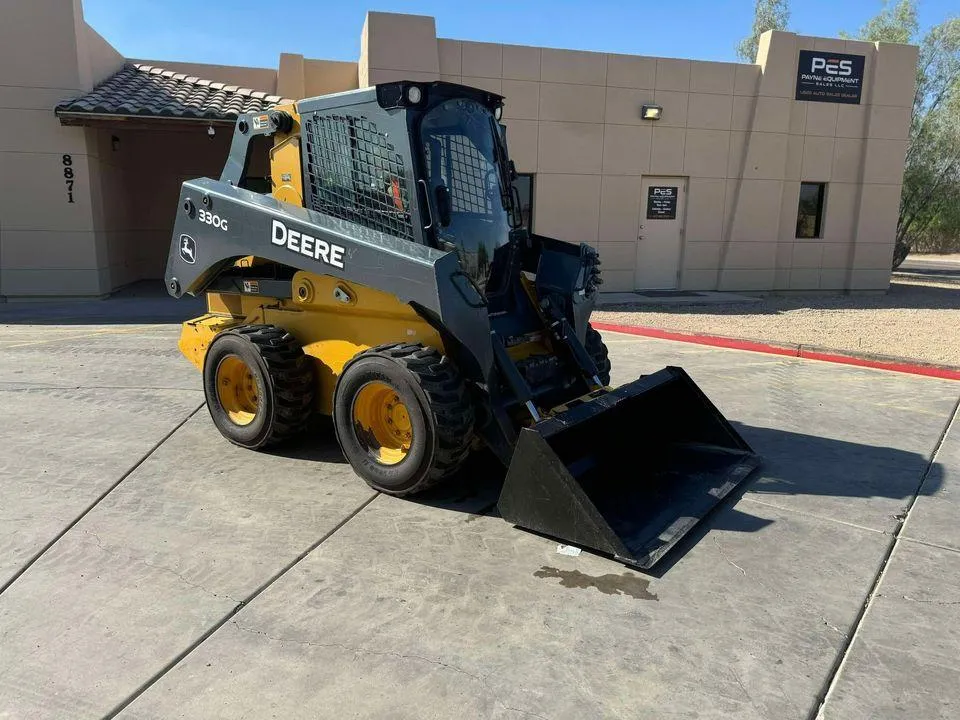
[[628, 473]]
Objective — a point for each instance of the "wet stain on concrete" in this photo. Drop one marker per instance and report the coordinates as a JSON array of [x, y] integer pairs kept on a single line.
[[610, 584]]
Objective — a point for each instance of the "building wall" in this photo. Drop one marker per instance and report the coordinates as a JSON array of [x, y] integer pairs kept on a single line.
[[734, 130], [125, 182], [48, 245], [302, 77]]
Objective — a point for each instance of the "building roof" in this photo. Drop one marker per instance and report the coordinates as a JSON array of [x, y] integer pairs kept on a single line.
[[144, 92]]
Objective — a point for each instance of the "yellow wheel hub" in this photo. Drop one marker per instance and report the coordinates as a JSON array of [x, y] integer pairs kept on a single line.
[[237, 390], [382, 423]]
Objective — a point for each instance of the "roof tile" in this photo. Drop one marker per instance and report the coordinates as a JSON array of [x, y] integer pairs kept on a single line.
[[149, 91]]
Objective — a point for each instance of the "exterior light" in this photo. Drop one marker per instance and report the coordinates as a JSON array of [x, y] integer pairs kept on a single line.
[[498, 113], [414, 94], [650, 112], [114, 143], [210, 131]]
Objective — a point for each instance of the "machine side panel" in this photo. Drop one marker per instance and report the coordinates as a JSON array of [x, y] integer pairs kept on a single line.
[[217, 223]]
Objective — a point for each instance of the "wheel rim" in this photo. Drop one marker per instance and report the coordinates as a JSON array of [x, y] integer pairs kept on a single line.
[[237, 390], [382, 423]]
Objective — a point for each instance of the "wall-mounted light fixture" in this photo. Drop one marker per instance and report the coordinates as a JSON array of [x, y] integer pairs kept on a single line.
[[650, 112], [114, 143], [210, 131]]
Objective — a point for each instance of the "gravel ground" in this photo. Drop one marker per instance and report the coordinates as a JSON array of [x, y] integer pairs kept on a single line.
[[918, 318]]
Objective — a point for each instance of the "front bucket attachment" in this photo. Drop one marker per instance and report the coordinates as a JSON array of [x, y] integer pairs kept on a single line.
[[628, 473]]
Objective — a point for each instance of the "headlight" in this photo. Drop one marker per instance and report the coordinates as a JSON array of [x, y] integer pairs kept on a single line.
[[414, 94], [498, 113]]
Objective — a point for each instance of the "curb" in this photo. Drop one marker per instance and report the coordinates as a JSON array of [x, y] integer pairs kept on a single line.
[[807, 352]]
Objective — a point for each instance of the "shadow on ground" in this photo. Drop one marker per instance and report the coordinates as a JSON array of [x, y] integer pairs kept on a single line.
[[793, 464], [143, 303], [318, 443]]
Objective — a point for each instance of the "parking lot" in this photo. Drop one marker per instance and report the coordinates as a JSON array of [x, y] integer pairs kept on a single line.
[[149, 569]]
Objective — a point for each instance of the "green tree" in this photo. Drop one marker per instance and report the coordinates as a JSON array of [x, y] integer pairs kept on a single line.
[[929, 217], [894, 23], [767, 15]]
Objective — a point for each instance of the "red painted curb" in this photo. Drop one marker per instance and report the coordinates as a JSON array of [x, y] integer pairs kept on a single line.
[[892, 364]]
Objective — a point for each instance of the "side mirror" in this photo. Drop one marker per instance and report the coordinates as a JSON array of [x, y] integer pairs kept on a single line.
[[512, 169], [444, 204]]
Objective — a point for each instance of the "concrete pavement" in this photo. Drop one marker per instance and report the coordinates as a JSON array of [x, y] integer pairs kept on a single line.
[[155, 571], [945, 268]]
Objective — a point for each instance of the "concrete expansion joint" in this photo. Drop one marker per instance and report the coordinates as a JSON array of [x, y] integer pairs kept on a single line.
[[356, 649], [73, 523], [41, 387], [240, 604], [805, 513], [818, 712], [938, 546], [932, 601]]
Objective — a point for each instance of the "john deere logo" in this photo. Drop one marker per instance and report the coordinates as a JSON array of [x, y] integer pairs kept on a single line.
[[188, 249]]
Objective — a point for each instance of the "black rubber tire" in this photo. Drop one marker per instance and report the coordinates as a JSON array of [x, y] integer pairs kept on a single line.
[[597, 351], [285, 384], [440, 411]]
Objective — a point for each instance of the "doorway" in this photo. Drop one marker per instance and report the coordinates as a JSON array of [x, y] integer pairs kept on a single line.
[[662, 201]]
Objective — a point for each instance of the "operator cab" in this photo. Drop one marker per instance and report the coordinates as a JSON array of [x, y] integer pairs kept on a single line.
[[469, 182]]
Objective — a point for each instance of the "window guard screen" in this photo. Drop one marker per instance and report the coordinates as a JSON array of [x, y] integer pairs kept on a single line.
[[354, 174], [461, 154], [463, 169]]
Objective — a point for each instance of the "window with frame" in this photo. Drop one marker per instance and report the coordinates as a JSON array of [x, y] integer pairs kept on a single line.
[[810, 210], [524, 185]]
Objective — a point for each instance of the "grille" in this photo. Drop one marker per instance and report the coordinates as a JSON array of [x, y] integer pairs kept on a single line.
[[355, 174]]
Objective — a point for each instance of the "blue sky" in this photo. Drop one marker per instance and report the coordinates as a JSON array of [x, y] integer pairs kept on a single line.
[[254, 32]]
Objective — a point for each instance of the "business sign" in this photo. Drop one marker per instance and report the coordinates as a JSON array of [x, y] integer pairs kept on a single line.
[[662, 202], [829, 77]]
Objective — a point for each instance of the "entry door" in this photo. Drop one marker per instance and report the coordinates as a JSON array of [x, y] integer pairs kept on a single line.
[[660, 233]]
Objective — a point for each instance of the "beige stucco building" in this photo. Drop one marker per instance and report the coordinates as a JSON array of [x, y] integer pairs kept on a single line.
[[737, 186]]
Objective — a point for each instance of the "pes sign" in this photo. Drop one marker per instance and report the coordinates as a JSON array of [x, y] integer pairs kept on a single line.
[[829, 77], [662, 202]]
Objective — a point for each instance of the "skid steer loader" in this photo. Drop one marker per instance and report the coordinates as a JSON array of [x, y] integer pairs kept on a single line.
[[363, 256]]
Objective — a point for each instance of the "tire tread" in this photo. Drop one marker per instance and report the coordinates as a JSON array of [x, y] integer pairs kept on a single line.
[[291, 375], [597, 350], [449, 402]]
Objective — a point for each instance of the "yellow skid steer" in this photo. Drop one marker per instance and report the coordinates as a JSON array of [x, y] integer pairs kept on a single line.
[[363, 255]]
